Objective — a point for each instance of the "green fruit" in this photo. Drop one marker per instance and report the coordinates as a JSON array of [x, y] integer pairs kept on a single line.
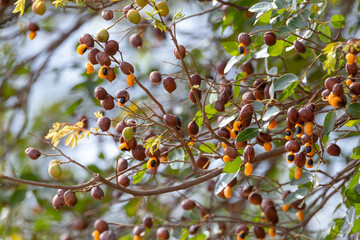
[[102, 35], [134, 16], [128, 133], [39, 8], [141, 3], [162, 8], [54, 169]]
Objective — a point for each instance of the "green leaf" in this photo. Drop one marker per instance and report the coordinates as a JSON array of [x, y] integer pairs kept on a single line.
[[354, 180], [209, 110], [264, 19], [356, 227], [356, 153], [260, 7], [329, 122], [17, 197], [231, 48], [284, 81], [352, 195], [247, 134], [232, 62], [276, 49], [288, 91], [352, 123], [348, 222], [140, 174], [294, 196], [325, 29], [208, 148], [338, 21], [71, 109], [200, 236], [306, 177], [184, 234], [224, 180], [127, 237], [132, 207], [354, 110], [94, 168], [232, 167]]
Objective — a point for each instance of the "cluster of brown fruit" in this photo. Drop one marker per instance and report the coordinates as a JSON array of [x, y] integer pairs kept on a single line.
[[302, 122]]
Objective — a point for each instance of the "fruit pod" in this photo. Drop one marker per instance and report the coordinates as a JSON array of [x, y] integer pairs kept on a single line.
[[122, 96], [300, 159], [269, 38], [169, 84], [97, 193], [330, 82], [123, 180], [87, 39], [293, 115], [170, 120], [245, 39], [292, 146], [182, 52], [259, 232], [255, 198], [194, 92], [299, 46], [249, 153], [265, 203], [70, 198], [333, 149], [246, 191], [246, 112], [248, 98], [242, 228], [351, 69], [202, 162], [263, 138], [188, 204], [193, 128], [247, 68], [126, 68], [101, 226], [162, 233], [32, 153], [306, 115]]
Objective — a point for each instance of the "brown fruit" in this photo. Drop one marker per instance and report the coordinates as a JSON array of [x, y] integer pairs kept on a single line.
[[246, 112], [126, 68], [223, 98], [262, 138], [147, 221], [126, 9], [136, 40], [354, 46], [195, 79], [306, 138], [33, 153], [132, 123], [299, 46], [193, 229], [169, 84], [107, 15], [248, 98], [162, 233], [122, 96], [155, 77], [224, 132], [255, 198], [231, 152], [188, 204], [100, 225], [271, 214], [193, 128], [103, 59], [202, 162], [233, 182], [333, 149], [355, 88], [156, 153], [300, 159], [139, 152], [242, 228], [192, 94], [297, 204], [91, 56], [306, 115], [266, 202], [338, 90], [70, 198], [139, 230], [259, 232], [87, 39], [32, 27], [330, 82], [285, 194], [325, 94], [97, 193], [107, 235], [219, 106], [267, 92], [123, 180], [57, 202], [245, 39], [60, 194], [120, 126], [170, 120], [311, 107], [104, 123], [220, 67], [107, 103], [182, 52], [79, 224], [293, 115], [249, 153], [246, 191], [247, 68], [132, 143], [269, 38], [210, 186], [292, 146], [240, 145], [111, 47], [352, 69], [122, 164]]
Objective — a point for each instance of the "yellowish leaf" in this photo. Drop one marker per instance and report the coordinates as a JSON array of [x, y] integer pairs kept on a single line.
[[69, 139], [98, 114], [73, 142], [20, 7]]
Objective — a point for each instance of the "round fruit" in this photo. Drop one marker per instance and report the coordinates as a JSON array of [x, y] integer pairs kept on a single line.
[[128, 133], [193, 229], [103, 59], [70, 198], [247, 68], [138, 152], [306, 115], [155, 77], [111, 47], [107, 235], [97, 193], [246, 191], [101, 226], [219, 106], [39, 8], [170, 120], [300, 159], [299, 46], [182, 52], [259, 232], [245, 39], [193, 128], [79, 224], [269, 38], [122, 164], [195, 79], [107, 103], [249, 153], [333, 149], [148, 222], [351, 69], [169, 84], [107, 15], [136, 40], [123, 180], [139, 230], [220, 67], [162, 233], [32, 153], [255, 198], [162, 8], [202, 162], [102, 35], [355, 88], [54, 169], [57, 203], [104, 123], [134, 16], [188, 204], [141, 3]]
